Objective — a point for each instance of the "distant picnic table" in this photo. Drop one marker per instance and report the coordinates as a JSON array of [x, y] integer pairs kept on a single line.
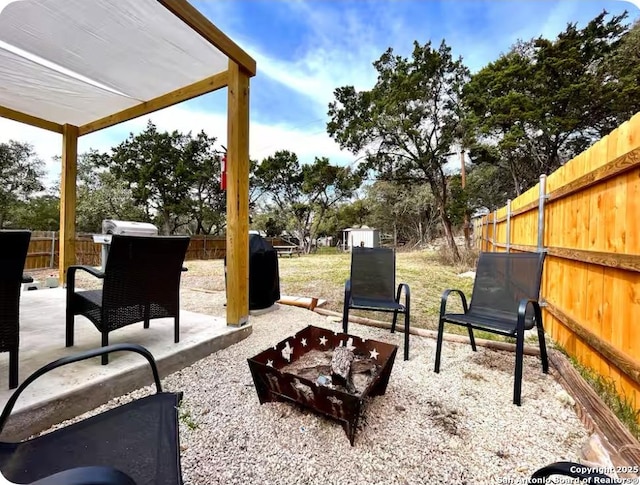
[[287, 250]]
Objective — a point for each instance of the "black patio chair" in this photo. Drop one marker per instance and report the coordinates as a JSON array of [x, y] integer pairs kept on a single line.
[[133, 444], [573, 470], [505, 302], [372, 286], [141, 282], [13, 254]]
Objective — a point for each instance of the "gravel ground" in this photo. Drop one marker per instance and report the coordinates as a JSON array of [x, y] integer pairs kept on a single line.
[[455, 427]]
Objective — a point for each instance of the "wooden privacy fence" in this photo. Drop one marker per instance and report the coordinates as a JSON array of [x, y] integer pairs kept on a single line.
[[585, 216], [43, 249]]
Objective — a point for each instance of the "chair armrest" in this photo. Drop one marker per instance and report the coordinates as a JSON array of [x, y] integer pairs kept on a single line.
[[445, 296], [27, 278], [89, 475], [89, 354], [71, 277], [71, 271], [407, 294], [522, 310]]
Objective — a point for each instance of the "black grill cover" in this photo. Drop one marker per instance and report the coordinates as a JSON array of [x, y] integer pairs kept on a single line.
[[264, 277]]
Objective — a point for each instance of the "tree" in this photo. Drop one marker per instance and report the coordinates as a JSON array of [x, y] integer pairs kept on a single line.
[[21, 172], [209, 200], [407, 212], [408, 123], [621, 71], [39, 213], [172, 176], [544, 101], [303, 194], [101, 195]]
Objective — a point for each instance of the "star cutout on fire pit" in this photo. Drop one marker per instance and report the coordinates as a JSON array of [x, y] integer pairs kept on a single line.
[[303, 342], [269, 363], [287, 351], [323, 340], [374, 354]]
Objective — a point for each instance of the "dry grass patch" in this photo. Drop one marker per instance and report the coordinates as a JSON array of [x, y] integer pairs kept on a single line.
[[323, 276]]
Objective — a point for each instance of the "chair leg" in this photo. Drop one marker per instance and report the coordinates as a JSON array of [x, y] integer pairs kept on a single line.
[[436, 368], [345, 318], [406, 335], [395, 319], [105, 342], [543, 348], [176, 328], [69, 328], [472, 338], [13, 368], [517, 380]]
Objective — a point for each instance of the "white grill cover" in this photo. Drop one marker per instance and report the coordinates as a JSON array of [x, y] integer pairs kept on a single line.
[[76, 61], [128, 228]]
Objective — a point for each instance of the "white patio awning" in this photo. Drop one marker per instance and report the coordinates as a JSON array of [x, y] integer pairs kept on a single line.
[[79, 61]]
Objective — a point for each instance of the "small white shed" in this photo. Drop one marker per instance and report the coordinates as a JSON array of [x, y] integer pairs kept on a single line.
[[364, 236]]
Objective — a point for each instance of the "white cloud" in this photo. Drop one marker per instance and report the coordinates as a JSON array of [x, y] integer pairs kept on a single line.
[[264, 139]]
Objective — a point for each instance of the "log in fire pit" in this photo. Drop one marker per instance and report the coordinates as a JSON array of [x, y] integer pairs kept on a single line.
[[329, 372]]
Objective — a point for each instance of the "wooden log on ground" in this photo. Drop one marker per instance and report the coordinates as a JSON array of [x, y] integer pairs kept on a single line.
[[423, 332], [623, 448]]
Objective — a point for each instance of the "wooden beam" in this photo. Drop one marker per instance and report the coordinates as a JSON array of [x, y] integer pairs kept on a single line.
[[68, 200], [29, 120], [525, 208], [630, 262], [626, 364], [622, 164], [199, 23], [620, 443], [237, 196], [191, 91]]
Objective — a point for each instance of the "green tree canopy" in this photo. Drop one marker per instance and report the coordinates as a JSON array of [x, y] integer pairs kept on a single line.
[[303, 194], [545, 101], [21, 174], [408, 123]]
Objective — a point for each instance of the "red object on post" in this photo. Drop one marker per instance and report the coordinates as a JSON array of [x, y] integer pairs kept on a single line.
[[223, 172]]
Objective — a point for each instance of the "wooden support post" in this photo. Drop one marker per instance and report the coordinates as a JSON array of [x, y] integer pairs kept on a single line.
[[67, 240], [237, 196]]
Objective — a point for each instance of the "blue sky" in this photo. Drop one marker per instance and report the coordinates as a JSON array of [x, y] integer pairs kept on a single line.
[[306, 48]]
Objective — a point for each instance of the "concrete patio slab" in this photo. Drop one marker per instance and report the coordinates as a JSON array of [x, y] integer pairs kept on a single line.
[[77, 388]]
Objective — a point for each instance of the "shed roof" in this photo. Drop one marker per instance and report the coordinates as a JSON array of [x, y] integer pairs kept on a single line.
[[95, 63]]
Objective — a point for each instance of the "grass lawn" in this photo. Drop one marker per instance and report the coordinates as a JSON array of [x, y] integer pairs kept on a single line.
[[323, 276]]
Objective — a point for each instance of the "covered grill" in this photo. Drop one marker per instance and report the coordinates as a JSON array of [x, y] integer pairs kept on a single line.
[[127, 228]]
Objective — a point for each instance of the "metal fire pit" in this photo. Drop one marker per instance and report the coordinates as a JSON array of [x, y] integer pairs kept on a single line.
[[279, 373]]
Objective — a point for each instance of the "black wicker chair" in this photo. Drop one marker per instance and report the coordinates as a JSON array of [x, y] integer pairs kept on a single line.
[[505, 302], [573, 470], [372, 286], [133, 444], [141, 282], [15, 245]]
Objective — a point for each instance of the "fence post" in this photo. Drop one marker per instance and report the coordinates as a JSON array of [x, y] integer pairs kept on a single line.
[[508, 225], [493, 236], [541, 203], [53, 249]]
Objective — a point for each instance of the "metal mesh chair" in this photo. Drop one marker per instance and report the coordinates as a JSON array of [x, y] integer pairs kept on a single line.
[[133, 444], [372, 286], [505, 302], [15, 245], [141, 282], [574, 470]]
